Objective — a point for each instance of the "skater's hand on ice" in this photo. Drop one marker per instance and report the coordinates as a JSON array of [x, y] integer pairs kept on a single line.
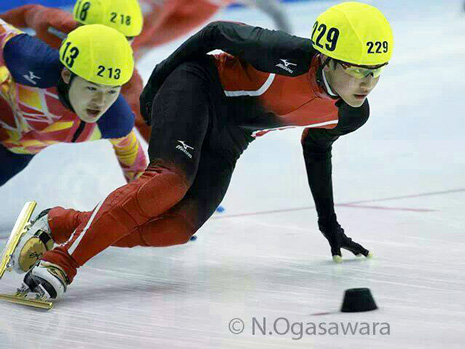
[[337, 240]]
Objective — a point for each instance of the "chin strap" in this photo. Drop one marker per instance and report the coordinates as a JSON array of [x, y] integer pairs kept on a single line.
[[322, 82]]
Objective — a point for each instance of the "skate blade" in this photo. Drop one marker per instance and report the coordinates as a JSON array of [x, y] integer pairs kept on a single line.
[[17, 232], [23, 300]]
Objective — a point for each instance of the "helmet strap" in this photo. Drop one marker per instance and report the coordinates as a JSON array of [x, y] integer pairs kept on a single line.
[[326, 62], [322, 81]]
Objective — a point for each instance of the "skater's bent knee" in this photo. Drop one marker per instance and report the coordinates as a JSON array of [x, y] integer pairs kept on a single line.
[[161, 192], [167, 231]]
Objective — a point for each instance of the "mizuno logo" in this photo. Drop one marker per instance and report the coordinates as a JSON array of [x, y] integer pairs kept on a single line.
[[184, 148], [285, 65], [31, 78]]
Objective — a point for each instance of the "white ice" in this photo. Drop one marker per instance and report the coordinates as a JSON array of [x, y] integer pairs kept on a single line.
[[399, 185]]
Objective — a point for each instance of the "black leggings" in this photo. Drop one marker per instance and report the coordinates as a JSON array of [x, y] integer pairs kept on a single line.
[[193, 129]]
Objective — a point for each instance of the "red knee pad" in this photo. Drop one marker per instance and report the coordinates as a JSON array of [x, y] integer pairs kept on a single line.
[[155, 192], [166, 231], [160, 192]]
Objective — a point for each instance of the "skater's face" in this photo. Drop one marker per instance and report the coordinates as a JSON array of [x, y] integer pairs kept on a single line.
[[353, 90], [90, 101]]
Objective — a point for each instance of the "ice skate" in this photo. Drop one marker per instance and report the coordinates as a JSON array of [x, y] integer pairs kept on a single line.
[[33, 244], [42, 284], [19, 229], [28, 241], [46, 279]]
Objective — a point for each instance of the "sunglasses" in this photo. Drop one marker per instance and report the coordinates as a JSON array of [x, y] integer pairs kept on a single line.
[[360, 71]]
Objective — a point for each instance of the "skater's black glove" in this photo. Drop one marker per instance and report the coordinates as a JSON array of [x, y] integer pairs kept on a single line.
[[337, 240]]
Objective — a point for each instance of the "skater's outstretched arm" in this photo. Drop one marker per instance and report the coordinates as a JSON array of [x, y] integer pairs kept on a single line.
[[317, 146], [130, 155], [19, 16], [26, 56]]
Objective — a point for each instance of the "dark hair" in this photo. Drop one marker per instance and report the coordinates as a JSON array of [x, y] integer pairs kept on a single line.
[[63, 91]]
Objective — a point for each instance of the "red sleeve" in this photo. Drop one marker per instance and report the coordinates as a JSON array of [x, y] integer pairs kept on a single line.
[[45, 21], [17, 16]]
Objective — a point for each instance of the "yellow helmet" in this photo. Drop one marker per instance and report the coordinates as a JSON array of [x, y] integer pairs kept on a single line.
[[355, 33], [98, 54], [122, 15]]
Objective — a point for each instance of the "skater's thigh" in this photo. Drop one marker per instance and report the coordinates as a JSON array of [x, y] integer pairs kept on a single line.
[[207, 191], [12, 164], [181, 114], [221, 149]]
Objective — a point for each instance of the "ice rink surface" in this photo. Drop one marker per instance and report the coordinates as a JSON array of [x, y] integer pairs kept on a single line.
[[399, 185]]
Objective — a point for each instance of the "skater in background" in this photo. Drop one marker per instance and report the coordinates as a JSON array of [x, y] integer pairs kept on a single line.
[[204, 111], [51, 25], [48, 98]]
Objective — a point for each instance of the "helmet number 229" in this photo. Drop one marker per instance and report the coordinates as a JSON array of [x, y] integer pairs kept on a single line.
[[331, 36], [381, 47]]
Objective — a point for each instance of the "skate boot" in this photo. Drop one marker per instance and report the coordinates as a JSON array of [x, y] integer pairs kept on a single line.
[[47, 280], [33, 244]]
